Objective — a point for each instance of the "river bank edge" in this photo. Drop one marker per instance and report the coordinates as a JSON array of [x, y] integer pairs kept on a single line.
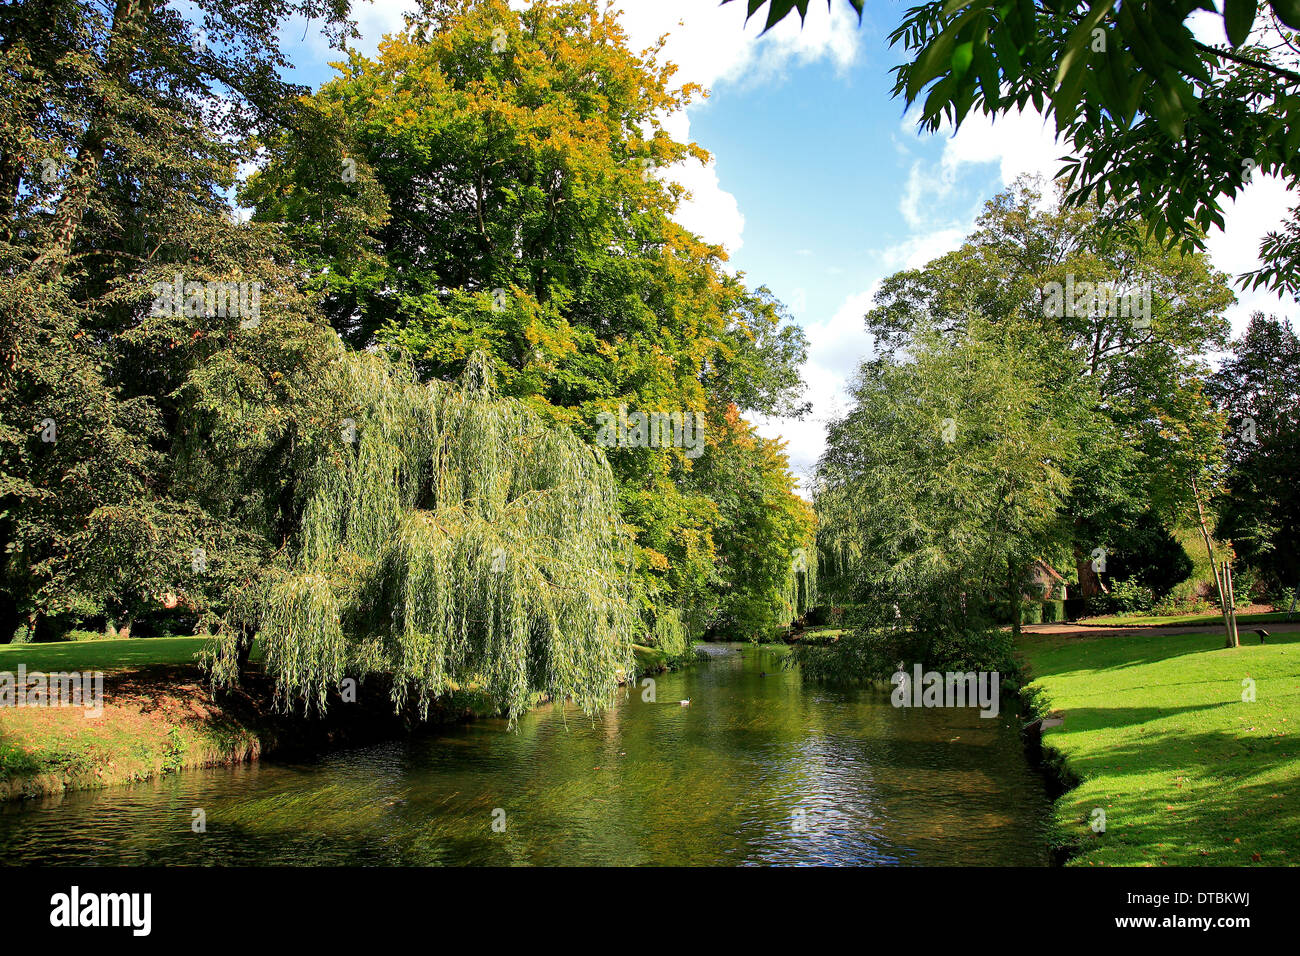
[[158, 719], [1059, 777]]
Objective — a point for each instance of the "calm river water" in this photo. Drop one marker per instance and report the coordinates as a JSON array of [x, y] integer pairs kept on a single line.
[[757, 770]]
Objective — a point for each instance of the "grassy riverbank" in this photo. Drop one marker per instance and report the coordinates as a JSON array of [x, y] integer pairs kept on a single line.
[[159, 717], [1158, 735]]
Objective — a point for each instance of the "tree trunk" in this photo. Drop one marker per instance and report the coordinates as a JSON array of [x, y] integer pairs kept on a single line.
[[1233, 636], [1089, 583], [244, 651], [1214, 567]]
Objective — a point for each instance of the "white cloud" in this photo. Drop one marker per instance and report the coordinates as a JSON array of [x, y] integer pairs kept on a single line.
[[709, 210], [710, 44], [836, 348], [916, 251], [1020, 143], [1023, 143]]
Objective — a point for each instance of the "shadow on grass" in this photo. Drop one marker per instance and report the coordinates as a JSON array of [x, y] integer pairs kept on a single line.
[[101, 655], [1234, 802], [1111, 652]]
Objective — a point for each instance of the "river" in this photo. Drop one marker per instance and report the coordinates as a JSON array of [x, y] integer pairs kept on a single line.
[[759, 769]]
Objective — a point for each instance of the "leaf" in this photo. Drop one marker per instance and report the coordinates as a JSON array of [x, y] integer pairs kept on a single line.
[[1288, 11], [932, 61], [987, 70], [776, 12], [962, 56], [1007, 54], [1238, 18], [935, 58], [1076, 47], [1168, 111]]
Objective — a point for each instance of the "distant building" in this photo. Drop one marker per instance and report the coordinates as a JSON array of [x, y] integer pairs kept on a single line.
[[1044, 583]]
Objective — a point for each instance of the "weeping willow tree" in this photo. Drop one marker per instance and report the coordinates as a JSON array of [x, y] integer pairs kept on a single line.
[[802, 585], [449, 537]]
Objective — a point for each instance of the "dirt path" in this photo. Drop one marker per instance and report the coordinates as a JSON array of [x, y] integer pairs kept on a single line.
[[1098, 630]]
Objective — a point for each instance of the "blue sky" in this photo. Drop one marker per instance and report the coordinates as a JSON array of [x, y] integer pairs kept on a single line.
[[819, 186]]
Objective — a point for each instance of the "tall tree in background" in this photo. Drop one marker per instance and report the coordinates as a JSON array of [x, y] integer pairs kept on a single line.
[[1258, 387], [121, 134], [487, 183], [1042, 264], [950, 476]]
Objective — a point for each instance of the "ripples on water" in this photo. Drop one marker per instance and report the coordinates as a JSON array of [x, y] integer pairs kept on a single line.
[[758, 770]]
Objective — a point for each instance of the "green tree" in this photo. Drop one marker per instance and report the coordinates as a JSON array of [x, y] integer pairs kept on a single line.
[[951, 474], [767, 570], [122, 126], [1258, 388], [449, 537], [505, 200], [1134, 319]]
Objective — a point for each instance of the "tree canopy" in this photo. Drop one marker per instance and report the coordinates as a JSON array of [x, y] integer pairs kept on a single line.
[[459, 254], [505, 200], [1258, 389]]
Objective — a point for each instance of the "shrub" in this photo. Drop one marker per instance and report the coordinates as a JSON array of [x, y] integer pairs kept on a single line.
[[1284, 598], [1031, 612], [1246, 584], [1126, 597], [1130, 597], [1189, 603], [818, 616], [853, 615], [1053, 611], [78, 634], [874, 655]]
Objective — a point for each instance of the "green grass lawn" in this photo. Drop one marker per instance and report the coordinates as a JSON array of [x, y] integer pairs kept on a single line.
[[821, 635], [1148, 620], [1156, 728], [100, 655], [649, 659]]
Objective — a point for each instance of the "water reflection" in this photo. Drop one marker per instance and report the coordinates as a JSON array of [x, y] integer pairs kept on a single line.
[[758, 770]]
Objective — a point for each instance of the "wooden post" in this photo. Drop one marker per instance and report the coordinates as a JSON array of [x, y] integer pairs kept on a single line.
[[1232, 604], [1214, 566]]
